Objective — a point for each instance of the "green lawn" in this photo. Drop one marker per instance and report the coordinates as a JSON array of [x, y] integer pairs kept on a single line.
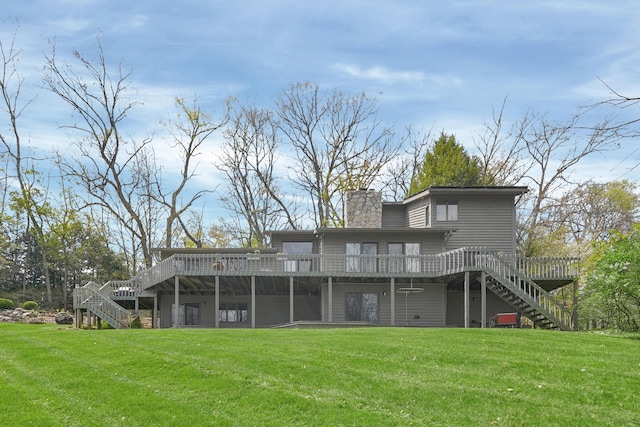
[[53, 376]]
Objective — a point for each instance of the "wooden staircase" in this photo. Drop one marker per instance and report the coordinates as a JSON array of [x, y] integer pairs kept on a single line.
[[526, 296], [90, 299]]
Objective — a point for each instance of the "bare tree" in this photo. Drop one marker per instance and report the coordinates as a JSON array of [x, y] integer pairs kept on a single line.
[[338, 143], [401, 171], [192, 128], [253, 194], [592, 211], [105, 165], [555, 149], [625, 128], [541, 154], [29, 197], [502, 152]]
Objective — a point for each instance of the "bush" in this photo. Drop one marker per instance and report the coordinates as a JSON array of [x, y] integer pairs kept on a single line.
[[6, 304], [30, 305], [136, 323], [105, 325]]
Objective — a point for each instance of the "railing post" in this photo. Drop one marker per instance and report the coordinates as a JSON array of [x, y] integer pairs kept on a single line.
[[330, 297], [291, 299], [466, 299], [253, 302], [176, 301], [483, 298], [392, 298], [216, 298]]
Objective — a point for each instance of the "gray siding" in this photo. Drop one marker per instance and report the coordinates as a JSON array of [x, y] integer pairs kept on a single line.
[[430, 243], [274, 310], [394, 216], [270, 309], [427, 308], [416, 213], [482, 221], [206, 302], [276, 241], [422, 309], [455, 307]]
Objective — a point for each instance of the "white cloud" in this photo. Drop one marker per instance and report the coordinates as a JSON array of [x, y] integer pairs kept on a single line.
[[68, 26], [390, 77]]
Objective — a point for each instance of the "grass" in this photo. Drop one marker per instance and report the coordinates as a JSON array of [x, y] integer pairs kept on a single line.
[[365, 377]]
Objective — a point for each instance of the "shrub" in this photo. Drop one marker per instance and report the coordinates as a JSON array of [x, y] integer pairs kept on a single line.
[[136, 323], [105, 325], [30, 305], [6, 303]]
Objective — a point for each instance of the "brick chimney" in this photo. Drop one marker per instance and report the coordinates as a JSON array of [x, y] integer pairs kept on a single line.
[[363, 209]]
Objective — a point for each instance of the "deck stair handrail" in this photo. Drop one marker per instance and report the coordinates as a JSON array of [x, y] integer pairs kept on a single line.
[[94, 301], [520, 285]]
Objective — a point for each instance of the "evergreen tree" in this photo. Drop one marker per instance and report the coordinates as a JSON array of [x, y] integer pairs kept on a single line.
[[448, 164]]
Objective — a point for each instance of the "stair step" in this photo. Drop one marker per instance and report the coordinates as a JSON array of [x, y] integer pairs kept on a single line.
[[511, 293]]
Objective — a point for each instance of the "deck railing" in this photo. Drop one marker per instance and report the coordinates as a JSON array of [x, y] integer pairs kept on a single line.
[[91, 299], [521, 284], [257, 264], [518, 273], [548, 268]]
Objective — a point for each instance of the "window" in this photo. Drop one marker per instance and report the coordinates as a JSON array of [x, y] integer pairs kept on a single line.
[[352, 261], [188, 314], [362, 306], [370, 262], [427, 217], [297, 248], [447, 211], [395, 260], [234, 312], [362, 257], [410, 262]]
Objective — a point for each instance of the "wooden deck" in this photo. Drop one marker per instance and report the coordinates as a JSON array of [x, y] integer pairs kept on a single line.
[[560, 270], [519, 281]]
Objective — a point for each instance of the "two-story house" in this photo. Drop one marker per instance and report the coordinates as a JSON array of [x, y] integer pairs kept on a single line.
[[443, 257]]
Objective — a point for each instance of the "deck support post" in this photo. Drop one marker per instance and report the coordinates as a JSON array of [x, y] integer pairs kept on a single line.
[[176, 302], [291, 299], [136, 308], [154, 315], [253, 302], [330, 297], [466, 299], [216, 302], [392, 297], [483, 298]]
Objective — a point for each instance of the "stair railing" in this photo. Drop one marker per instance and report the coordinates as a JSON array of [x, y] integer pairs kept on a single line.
[[104, 307], [528, 290], [502, 269]]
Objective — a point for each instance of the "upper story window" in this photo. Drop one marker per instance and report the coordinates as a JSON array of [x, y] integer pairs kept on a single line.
[[297, 248], [427, 216], [362, 257], [409, 262], [446, 211]]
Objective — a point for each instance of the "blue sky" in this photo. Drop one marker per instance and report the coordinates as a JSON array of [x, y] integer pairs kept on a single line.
[[435, 64]]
